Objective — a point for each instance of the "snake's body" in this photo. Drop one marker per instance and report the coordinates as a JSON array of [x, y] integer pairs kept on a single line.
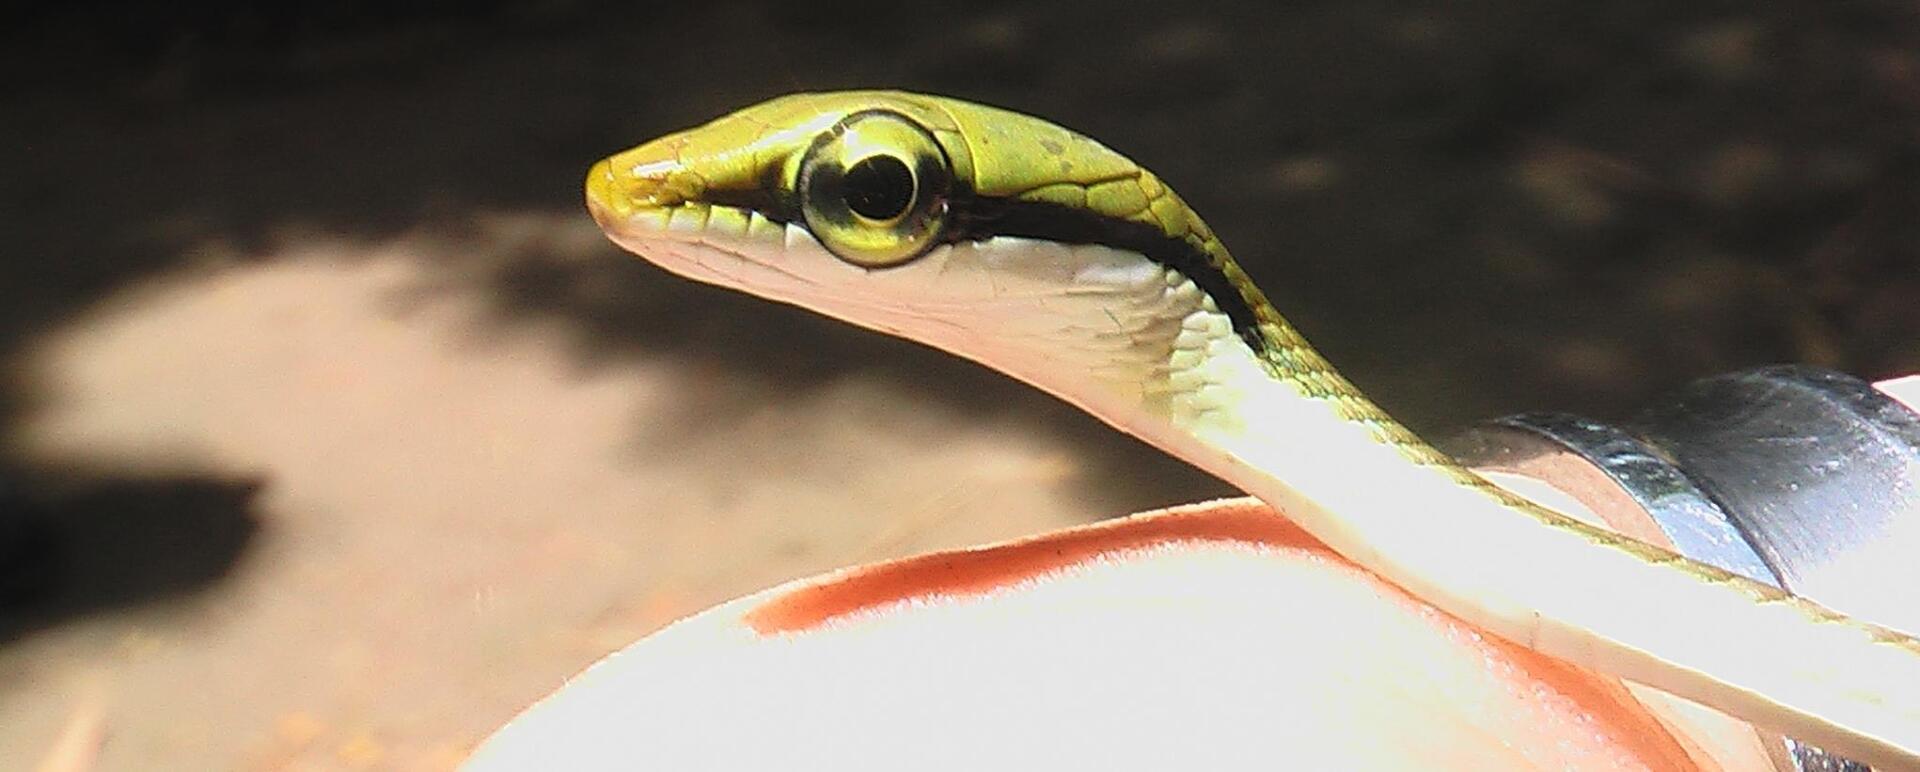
[[1043, 254]]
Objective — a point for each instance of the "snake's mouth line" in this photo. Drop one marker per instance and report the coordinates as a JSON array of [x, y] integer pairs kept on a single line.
[[710, 243], [742, 249]]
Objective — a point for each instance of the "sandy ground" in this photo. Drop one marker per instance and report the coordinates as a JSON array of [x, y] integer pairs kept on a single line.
[[334, 434]]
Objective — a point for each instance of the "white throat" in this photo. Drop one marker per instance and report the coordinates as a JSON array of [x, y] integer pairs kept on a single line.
[[1105, 329]]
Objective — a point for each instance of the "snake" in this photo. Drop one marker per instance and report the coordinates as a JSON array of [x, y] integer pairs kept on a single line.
[[1041, 253]]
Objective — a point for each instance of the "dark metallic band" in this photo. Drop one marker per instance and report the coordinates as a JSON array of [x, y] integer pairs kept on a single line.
[[1691, 518], [1796, 476], [1820, 470]]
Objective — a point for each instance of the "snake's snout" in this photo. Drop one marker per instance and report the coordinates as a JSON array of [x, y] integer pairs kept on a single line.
[[602, 198], [648, 177]]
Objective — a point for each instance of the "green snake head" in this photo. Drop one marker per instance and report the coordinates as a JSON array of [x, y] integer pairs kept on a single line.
[[995, 235]]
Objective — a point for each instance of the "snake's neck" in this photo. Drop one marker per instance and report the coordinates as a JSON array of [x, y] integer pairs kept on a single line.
[[1145, 348], [1245, 413], [1263, 411]]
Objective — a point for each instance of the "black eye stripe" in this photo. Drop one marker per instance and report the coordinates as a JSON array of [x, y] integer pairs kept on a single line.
[[879, 187]]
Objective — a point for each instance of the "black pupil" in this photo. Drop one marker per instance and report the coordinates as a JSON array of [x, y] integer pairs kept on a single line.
[[879, 187]]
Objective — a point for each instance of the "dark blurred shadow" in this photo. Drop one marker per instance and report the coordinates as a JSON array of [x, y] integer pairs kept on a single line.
[[115, 543], [1480, 207]]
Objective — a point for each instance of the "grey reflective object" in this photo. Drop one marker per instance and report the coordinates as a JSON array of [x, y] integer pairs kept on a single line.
[[1699, 528], [1821, 472], [1800, 477]]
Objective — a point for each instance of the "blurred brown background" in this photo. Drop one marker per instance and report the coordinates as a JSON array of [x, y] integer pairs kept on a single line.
[[333, 433]]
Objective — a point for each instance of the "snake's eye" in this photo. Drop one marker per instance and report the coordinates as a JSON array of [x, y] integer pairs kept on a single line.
[[874, 190]]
